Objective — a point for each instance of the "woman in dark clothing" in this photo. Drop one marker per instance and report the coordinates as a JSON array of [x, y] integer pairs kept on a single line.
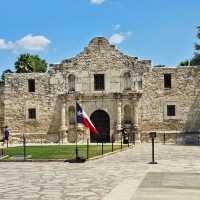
[[6, 133]]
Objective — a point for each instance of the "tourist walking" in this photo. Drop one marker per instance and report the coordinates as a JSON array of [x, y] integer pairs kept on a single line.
[[6, 133]]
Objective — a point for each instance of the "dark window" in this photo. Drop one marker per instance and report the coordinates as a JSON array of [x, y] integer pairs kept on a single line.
[[127, 81], [171, 110], [99, 81], [31, 85], [32, 113], [167, 81], [71, 82], [140, 84]]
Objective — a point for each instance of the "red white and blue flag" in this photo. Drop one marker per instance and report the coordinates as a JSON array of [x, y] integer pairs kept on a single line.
[[82, 118]]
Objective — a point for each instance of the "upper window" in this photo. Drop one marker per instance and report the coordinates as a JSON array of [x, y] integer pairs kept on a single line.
[[171, 110], [99, 82], [71, 82], [167, 81], [127, 81], [31, 85], [140, 84], [127, 114], [32, 113]]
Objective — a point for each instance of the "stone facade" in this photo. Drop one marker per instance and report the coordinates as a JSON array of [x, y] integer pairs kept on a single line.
[[184, 94], [131, 95]]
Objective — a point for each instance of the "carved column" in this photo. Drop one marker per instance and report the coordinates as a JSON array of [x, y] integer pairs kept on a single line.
[[63, 127], [119, 115], [136, 114], [136, 128]]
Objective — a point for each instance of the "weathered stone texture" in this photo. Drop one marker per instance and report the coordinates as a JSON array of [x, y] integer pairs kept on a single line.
[[18, 100], [134, 96], [1, 108], [184, 94]]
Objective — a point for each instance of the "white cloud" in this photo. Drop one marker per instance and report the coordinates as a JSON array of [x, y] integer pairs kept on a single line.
[[32, 43], [5, 45], [116, 26], [28, 42], [117, 38], [98, 2]]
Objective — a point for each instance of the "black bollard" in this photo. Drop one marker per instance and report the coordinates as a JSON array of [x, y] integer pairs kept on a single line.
[[102, 148], [24, 146], [164, 138], [153, 135], [128, 140], [112, 146], [121, 144], [76, 151], [102, 144], [87, 149]]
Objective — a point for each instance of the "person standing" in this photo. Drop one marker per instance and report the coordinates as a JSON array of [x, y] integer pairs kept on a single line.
[[6, 134]]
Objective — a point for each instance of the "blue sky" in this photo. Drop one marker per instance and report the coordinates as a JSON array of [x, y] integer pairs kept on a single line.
[[161, 30]]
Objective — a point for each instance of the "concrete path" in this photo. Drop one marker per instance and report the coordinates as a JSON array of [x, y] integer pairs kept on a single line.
[[122, 176]]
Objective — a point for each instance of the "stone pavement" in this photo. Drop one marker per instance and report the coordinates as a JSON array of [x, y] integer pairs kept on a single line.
[[122, 176]]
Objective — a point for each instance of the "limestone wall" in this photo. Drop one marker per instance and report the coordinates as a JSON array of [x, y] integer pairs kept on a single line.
[[184, 94], [102, 58], [17, 101], [146, 90], [1, 108]]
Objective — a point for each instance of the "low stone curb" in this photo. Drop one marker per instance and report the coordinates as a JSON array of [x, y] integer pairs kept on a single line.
[[3, 157], [64, 160], [109, 153]]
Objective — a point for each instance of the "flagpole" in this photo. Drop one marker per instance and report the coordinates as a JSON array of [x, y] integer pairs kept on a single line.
[[76, 143], [76, 139]]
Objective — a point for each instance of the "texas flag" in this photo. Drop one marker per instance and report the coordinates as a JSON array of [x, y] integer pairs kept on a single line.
[[81, 117]]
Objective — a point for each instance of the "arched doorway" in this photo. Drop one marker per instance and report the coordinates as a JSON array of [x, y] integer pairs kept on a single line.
[[101, 121]]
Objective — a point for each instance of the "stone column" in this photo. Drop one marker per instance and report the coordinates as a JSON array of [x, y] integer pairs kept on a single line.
[[136, 128], [63, 127], [119, 115], [136, 114]]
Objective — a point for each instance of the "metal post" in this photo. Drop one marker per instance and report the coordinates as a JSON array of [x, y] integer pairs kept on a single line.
[[128, 141], [76, 151], [87, 148], [112, 146], [134, 138], [102, 146], [164, 138], [76, 143], [153, 159], [121, 141], [24, 146]]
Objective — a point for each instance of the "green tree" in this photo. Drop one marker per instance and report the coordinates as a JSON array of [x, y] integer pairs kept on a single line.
[[185, 63], [4, 72], [197, 46], [27, 63], [195, 60]]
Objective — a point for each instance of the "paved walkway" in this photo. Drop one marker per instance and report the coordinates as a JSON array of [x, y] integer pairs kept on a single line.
[[122, 176]]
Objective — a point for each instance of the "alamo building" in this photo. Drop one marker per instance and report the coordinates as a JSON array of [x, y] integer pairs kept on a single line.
[[115, 90]]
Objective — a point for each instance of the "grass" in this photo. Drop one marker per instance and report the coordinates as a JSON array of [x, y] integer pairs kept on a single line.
[[60, 151]]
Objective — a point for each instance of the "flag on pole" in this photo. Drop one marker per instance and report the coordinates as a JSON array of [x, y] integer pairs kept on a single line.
[[82, 118]]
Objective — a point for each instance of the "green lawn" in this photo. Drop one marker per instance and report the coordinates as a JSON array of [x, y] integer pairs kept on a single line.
[[60, 151]]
